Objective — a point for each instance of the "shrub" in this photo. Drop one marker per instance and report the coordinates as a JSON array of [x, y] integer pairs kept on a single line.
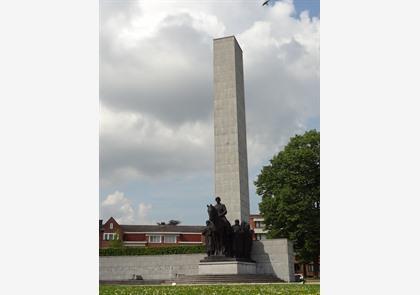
[[133, 251]]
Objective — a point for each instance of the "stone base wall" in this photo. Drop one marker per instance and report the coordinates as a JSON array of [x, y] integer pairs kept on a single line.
[[226, 268], [150, 267], [274, 257], [271, 257]]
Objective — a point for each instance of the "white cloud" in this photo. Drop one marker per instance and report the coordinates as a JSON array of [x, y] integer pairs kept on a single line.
[[143, 213], [156, 82], [135, 146], [121, 208]]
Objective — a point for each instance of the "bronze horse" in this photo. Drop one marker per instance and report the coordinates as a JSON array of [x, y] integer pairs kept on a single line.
[[222, 233]]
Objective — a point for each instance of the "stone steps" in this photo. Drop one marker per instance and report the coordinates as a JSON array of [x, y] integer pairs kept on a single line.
[[214, 279], [131, 282], [200, 279]]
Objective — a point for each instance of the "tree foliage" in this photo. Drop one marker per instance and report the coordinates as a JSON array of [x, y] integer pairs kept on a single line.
[[116, 242], [170, 222], [129, 251], [290, 193], [174, 222]]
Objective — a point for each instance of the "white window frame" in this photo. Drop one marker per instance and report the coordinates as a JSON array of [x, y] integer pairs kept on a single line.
[[259, 224], [110, 236], [111, 226], [153, 242], [165, 239]]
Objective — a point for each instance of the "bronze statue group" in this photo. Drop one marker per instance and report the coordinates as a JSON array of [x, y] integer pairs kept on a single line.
[[224, 240]]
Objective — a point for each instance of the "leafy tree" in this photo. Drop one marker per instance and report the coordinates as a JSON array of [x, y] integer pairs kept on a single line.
[[117, 241], [174, 222], [170, 222], [290, 193]]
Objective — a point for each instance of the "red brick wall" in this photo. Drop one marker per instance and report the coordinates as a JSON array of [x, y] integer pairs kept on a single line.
[[135, 237], [190, 238], [251, 222]]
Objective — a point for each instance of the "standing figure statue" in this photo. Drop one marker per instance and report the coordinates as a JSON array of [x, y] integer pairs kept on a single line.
[[208, 237], [247, 240], [236, 239]]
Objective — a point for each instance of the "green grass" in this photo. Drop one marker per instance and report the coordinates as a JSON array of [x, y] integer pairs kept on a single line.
[[289, 289]]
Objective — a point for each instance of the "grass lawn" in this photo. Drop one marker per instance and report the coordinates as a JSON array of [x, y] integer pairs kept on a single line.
[[289, 289]]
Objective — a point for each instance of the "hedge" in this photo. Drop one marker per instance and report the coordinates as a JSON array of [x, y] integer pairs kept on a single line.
[[132, 251]]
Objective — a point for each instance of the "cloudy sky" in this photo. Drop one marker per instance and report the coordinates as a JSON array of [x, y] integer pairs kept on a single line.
[[156, 107]]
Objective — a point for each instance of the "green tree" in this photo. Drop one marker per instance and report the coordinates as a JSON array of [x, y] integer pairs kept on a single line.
[[116, 242], [289, 187], [174, 222]]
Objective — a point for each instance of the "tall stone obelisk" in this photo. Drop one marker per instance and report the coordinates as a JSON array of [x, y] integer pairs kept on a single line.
[[231, 163]]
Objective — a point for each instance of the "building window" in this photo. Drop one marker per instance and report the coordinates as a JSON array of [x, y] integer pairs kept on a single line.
[[310, 267], [297, 267], [170, 239], [259, 224], [111, 225], [155, 239], [110, 236]]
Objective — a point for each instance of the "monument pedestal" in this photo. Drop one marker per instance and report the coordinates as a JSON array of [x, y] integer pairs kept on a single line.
[[226, 266]]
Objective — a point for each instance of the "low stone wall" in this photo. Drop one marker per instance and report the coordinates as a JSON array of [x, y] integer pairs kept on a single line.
[[150, 267], [272, 257]]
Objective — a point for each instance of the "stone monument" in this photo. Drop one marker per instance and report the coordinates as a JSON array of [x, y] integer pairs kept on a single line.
[[229, 246], [230, 249], [231, 163]]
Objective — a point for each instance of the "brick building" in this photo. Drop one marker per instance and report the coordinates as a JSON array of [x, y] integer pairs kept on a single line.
[[149, 235], [256, 223]]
